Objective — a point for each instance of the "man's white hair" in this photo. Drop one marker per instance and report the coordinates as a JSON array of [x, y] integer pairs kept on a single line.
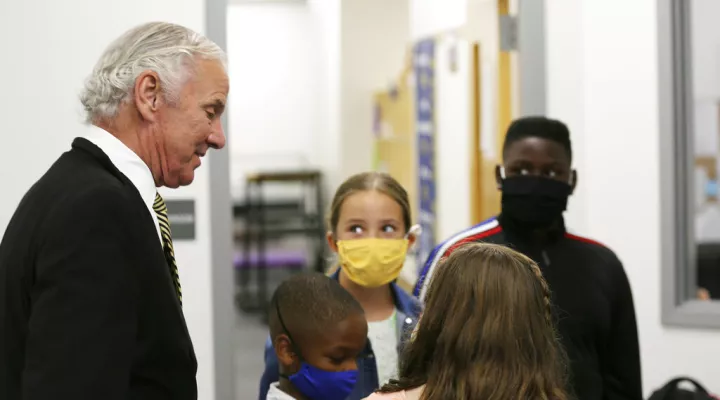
[[168, 49]]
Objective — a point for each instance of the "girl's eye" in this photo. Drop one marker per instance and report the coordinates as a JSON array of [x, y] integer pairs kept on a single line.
[[551, 174], [356, 229], [388, 229]]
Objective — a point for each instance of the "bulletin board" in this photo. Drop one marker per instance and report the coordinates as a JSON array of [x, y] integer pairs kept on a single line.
[[424, 68], [394, 132]]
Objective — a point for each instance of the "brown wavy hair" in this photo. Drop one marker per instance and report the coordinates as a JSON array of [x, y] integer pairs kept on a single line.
[[486, 332]]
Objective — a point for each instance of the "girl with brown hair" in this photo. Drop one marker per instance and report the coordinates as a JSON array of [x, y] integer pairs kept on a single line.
[[486, 333], [369, 227]]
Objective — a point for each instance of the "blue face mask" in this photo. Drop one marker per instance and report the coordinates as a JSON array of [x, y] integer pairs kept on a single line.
[[318, 384]]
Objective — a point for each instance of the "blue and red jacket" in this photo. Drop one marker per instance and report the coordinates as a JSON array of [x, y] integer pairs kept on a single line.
[[592, 300]]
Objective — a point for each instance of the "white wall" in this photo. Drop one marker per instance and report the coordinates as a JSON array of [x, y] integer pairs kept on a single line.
[[428, 17], [329, 58], [275, 57], [452, 143], [565, 100], [305, 75], [375, 41], [610, 98], [53, 46], [328, 21]]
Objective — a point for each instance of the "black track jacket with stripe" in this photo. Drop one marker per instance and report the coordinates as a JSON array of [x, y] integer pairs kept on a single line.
[[593, 304]]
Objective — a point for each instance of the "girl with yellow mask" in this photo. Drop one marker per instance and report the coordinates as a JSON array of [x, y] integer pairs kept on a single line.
[[369, 227]]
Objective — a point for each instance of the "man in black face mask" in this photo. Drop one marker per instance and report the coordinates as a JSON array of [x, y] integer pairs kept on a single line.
[[594, 308]]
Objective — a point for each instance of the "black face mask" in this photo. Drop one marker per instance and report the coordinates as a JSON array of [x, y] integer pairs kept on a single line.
[[534, 202]]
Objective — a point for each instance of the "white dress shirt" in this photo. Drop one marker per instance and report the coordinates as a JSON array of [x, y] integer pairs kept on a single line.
[[130, 164]]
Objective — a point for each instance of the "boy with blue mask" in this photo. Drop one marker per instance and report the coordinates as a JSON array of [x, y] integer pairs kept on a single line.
[[318, 330]]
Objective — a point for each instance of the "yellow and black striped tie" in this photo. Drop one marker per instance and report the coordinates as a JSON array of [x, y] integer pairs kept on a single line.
[[161, 212]]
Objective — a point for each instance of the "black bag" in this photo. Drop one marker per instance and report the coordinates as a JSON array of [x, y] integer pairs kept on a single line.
[[671, 391]]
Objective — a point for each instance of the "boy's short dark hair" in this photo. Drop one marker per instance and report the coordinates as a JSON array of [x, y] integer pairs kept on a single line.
[[540, 127], [310, 303]]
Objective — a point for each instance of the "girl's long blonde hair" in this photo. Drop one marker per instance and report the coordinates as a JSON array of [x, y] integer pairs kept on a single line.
[[486, 332]]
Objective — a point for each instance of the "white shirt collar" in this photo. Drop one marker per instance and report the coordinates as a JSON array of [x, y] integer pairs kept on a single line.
[[274, 393], [125, 160]]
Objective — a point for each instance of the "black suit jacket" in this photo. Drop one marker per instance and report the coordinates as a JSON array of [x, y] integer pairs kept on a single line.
[[87, 306]]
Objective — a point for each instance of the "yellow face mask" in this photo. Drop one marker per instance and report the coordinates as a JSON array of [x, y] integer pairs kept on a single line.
[[372, 262]]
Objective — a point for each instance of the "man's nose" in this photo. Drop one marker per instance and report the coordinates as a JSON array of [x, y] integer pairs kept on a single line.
[[217, 139]]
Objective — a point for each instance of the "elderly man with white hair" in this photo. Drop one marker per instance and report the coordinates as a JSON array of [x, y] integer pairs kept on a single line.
[[90, 297]]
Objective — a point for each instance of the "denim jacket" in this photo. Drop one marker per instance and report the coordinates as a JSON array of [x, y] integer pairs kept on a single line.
[[408, 310]]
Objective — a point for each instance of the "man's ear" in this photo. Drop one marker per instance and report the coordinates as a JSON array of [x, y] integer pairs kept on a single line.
[[147, 95], [498, 176], [574, 179], [332, 243]]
